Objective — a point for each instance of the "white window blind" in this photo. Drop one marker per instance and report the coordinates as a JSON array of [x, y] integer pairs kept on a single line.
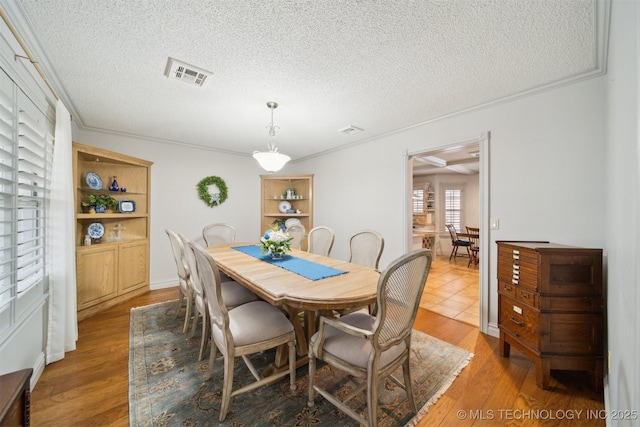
[[418, 201], [26, 152], [453, 207]]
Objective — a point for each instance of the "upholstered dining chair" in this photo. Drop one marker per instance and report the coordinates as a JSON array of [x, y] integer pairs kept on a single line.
[[456, 242], [184, 273], [365, 248], [250, 328], [371, 347], [233, 293], [473, 234], [320, 240], [296, 231], [218, 233]]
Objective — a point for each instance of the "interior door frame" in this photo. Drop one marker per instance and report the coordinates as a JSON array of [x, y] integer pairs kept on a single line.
[[483, 140]]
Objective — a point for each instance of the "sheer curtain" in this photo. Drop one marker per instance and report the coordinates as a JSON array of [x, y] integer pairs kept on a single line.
[[62, 331]]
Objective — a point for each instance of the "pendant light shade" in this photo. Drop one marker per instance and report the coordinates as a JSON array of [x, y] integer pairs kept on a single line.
[[271, 160]]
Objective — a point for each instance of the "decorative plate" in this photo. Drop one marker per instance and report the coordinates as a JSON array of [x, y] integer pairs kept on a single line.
[[284, 206], [94, 181], [291, 221], [127, 206], [96, 230]]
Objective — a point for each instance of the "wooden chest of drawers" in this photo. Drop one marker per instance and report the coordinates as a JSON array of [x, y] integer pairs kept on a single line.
[[550, 307]]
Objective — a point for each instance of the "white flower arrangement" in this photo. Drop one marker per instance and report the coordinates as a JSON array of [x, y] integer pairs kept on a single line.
[[275, 242]]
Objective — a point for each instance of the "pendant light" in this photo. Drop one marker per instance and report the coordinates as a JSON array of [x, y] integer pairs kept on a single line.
[[271, 160]]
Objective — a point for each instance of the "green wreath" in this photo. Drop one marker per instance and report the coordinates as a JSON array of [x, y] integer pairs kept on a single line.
[[212, 199]]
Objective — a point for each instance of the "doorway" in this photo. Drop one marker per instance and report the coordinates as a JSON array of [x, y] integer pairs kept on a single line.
[[455, 288]]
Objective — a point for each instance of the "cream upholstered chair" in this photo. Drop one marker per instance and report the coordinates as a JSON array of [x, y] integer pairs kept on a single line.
[[365, 248], [372, 347], [184, 273], [218, 233], [250, 328], [234, 295], [296, 231], [320, 240]]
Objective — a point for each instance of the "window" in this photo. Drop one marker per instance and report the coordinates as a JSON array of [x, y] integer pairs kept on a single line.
[[453, 207], [26, 148], [418, 201]]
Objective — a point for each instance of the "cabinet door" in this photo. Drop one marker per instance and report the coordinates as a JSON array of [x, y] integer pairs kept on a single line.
[[97, 275], [134, 266]]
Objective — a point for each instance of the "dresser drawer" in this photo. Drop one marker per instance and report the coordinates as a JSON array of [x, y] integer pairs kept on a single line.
[[519, 267], [506, 288], [527, 297], [519, 319]]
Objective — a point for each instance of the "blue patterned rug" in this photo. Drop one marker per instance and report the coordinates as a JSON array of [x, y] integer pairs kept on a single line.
[[167, 386]]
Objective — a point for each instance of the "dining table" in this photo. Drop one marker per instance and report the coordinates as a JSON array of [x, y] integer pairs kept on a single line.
[[302, 284]]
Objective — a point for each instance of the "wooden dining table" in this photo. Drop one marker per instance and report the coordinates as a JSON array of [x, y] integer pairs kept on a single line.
[[295, 294]]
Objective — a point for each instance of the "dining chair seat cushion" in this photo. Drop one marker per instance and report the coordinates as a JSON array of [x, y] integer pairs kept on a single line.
[[462, 243], [255, 322], [234, 294], [354, 350]]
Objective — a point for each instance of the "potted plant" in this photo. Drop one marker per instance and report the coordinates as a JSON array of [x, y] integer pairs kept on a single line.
[[99, 203]]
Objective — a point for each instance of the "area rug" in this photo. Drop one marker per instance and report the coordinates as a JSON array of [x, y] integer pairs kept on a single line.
[[167, 385]]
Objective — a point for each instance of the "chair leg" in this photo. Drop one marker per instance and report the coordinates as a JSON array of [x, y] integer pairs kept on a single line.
[[212, 359], [372, 398], [187, 316], [204, 340], [292, 364], [196, 315], [312, 372], [180, 299], [226, 388], [408, 387], [454, 249]]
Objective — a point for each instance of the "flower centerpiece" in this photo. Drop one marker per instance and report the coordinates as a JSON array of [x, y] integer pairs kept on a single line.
[[275, 243]]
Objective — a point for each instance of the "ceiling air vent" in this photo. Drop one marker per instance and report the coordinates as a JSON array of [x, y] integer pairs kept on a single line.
[[351, 129], [184, 72]]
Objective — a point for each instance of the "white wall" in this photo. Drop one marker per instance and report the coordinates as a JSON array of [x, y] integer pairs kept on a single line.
[[546, 174], [175, 204], [622, 225]]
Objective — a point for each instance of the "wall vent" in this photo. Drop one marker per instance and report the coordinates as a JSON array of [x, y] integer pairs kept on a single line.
[[187, 73]]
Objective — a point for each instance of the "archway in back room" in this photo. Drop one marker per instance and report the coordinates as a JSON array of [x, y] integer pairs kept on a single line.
[[463, 166]]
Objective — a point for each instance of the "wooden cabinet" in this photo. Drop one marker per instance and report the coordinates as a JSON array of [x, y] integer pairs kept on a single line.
[[550, 307], [114, 267], [15, 398], [274, 193]]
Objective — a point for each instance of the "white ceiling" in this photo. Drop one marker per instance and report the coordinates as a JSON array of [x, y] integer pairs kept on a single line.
[[379, 65]]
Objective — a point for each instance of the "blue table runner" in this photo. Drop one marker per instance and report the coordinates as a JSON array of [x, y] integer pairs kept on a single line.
[[305, 268]]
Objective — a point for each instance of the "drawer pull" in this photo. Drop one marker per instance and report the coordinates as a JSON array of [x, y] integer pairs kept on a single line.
[[516, 267], [508, 288], [514, 281], [516, 252], [525, 296], [516, 256], [516, 321], [516, 275]]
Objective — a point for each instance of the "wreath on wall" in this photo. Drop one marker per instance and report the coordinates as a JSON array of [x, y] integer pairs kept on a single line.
[[215, 199]]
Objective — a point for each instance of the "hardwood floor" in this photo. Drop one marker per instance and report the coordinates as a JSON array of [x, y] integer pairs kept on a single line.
[[89, 387]]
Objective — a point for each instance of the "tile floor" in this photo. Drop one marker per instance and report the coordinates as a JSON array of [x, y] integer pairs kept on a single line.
[[452, 290]]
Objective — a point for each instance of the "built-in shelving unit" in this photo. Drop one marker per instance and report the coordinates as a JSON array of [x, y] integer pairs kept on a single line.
[[274, 191], [114, 267]]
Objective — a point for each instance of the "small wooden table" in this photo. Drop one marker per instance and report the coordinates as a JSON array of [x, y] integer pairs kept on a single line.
[[294, 293]]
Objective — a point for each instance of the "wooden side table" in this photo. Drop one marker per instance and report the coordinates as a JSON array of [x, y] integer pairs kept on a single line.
[[15, 398]]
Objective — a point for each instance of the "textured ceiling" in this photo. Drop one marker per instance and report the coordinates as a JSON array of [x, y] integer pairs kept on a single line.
[[379, 65]]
